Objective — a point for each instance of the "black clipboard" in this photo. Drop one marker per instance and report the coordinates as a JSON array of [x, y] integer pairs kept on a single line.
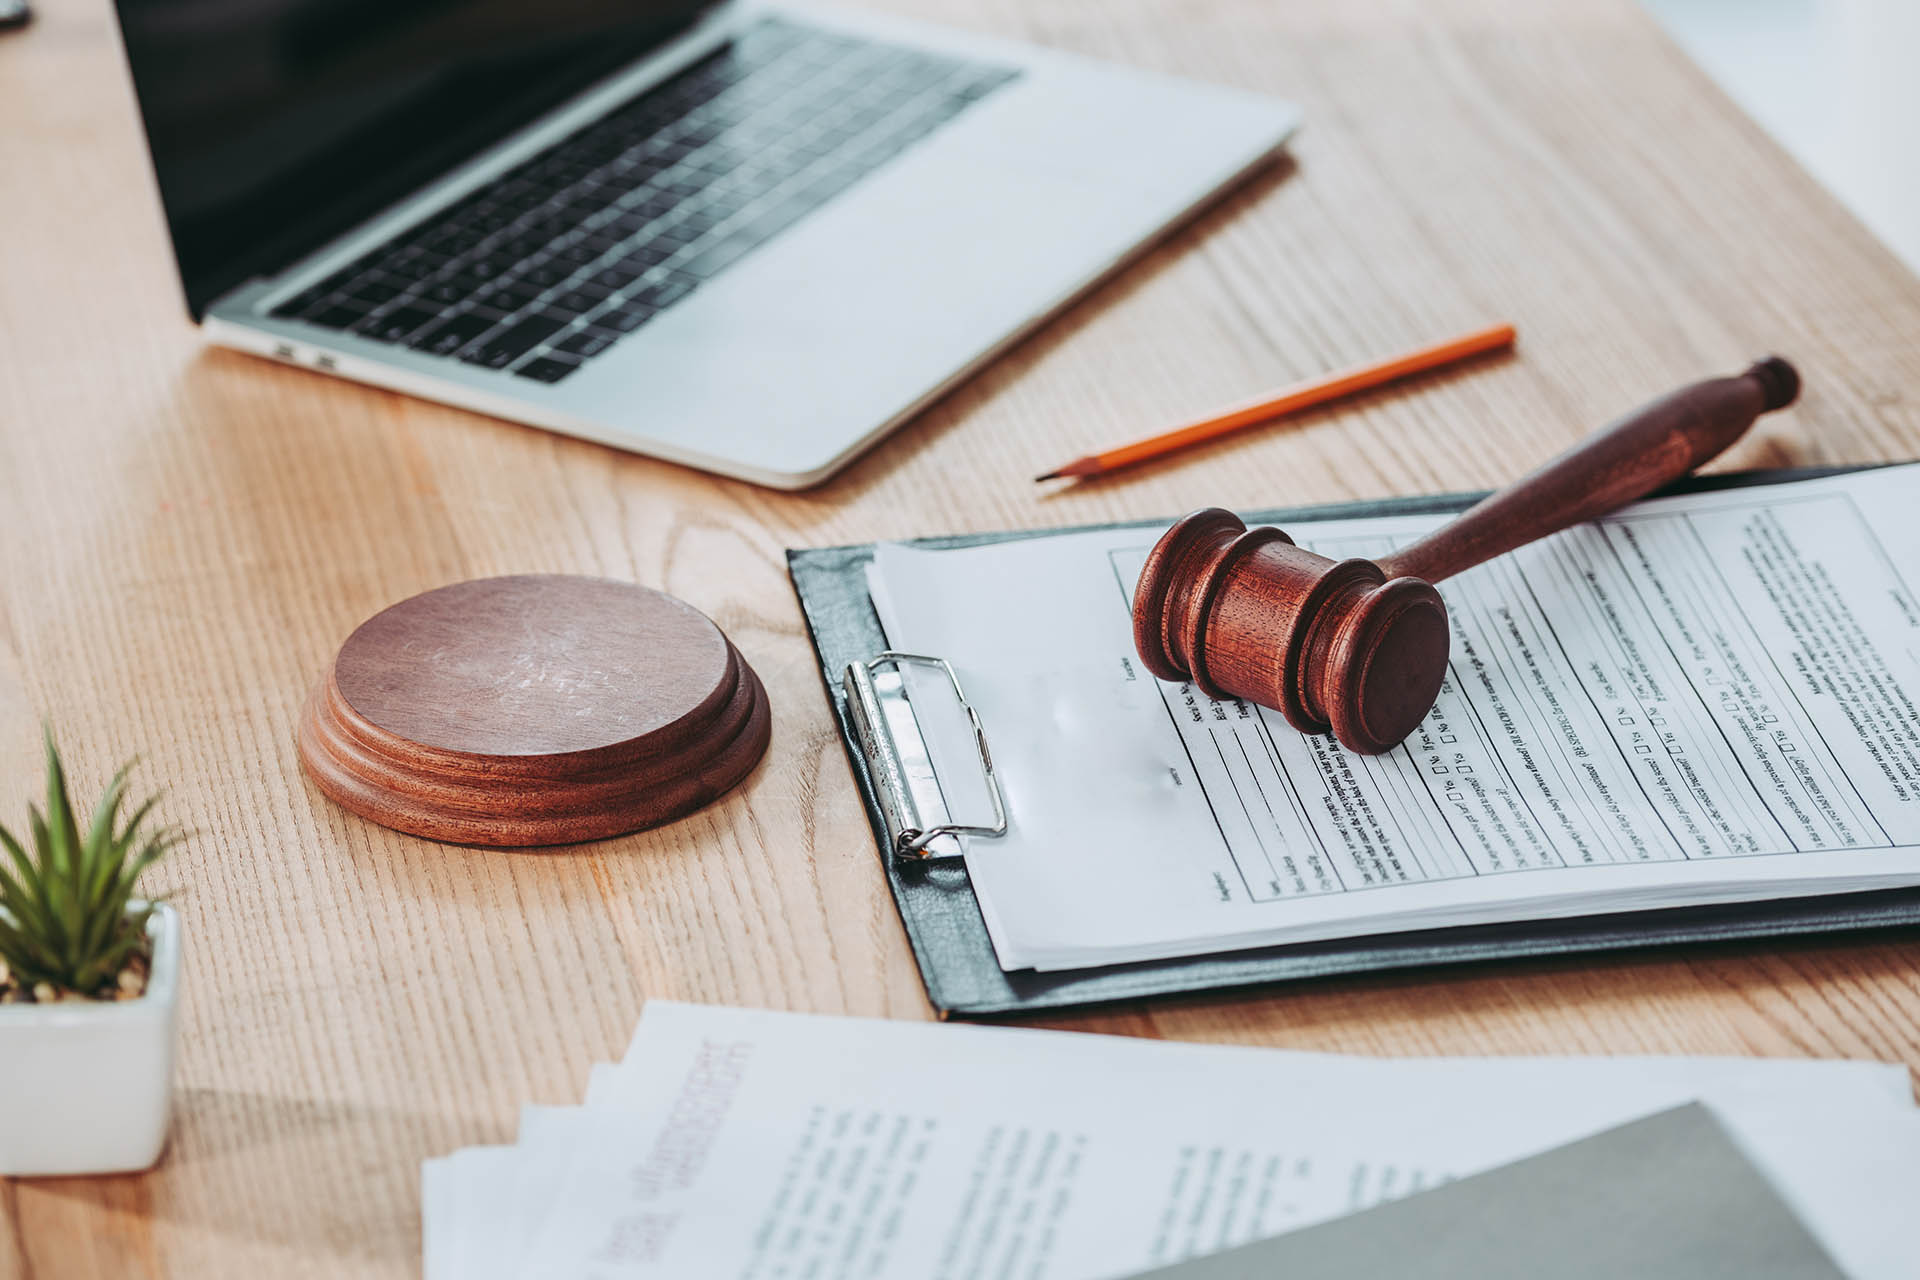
[[949, 939]]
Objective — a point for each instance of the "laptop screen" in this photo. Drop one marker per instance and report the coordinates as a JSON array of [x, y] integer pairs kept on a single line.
[[278, 124]]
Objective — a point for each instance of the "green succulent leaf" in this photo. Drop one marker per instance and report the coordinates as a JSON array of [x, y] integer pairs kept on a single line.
[[100, 833], [65, 894]]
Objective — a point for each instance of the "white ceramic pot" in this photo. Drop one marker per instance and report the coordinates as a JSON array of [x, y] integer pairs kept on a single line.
[[84, 1085]]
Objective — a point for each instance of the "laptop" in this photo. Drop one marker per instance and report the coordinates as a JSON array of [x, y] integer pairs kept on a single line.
[[745, 237]]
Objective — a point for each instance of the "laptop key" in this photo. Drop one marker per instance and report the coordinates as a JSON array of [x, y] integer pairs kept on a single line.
[[415, 266], [674, 237], [301, 301], [587, 342], [516, 340], [655, 205], [335, 317], [648, 255], [445, 339], [629, 317], [616, 277], [627, 223], [447, 292], [548, 274], [520, 246], [704, 218], [397, 324], [720, 255], [546, 369], [511, 296], [602, 240], [662, 294], [374, 292], [493, 266], [578, 301]]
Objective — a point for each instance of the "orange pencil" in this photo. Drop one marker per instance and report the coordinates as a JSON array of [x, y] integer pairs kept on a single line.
[[1302, 395]]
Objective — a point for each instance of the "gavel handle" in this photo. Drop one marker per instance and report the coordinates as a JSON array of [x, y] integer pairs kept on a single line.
[[1625, 460]]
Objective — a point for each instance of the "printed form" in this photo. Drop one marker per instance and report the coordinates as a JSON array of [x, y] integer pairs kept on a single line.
[[1709, 698]]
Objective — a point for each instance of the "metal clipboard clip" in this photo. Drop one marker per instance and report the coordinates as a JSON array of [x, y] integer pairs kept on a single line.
[[901, 778]]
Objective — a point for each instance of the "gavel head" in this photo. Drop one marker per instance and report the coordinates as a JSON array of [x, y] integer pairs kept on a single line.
[[1331, 644]]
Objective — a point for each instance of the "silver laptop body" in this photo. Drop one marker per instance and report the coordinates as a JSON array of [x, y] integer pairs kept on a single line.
[[784, 364]]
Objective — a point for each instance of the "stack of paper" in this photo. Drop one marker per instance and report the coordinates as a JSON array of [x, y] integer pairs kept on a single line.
[[1703, 699], [731, 1143]]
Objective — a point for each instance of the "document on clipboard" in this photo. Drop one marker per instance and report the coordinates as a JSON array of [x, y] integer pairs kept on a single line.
[[1705, 699]]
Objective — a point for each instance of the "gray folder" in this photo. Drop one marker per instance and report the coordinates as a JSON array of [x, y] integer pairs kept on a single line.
[[949, 938], [1669, 1197]]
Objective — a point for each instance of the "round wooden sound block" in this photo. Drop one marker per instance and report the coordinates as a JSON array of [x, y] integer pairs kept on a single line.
[[536, 709]]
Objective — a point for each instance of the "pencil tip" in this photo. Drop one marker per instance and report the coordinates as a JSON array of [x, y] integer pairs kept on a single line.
[[1071, 470]]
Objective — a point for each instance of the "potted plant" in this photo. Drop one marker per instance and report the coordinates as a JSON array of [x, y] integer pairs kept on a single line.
[[89, 978]]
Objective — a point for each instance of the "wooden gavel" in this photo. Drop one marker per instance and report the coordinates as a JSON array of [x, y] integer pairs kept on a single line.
[[1360, 646]]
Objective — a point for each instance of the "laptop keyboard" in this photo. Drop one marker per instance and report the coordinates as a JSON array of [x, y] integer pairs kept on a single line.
[[550, 265]]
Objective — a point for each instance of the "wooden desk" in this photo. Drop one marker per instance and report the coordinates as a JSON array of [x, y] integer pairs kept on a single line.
[[186, 535]]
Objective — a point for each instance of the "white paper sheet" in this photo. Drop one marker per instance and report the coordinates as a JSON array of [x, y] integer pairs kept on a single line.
[[737, 1143], [1709, 698]]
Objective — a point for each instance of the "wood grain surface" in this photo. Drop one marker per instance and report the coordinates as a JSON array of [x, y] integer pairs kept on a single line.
[[536, 664], [187, 535]]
